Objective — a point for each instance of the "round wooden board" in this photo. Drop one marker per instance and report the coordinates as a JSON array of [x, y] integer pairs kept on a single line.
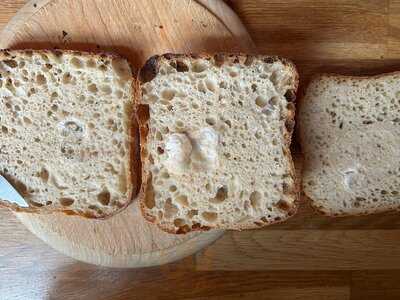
[[136, 29]]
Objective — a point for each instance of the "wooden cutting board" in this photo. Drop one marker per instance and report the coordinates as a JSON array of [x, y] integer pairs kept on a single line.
[[136, 29]]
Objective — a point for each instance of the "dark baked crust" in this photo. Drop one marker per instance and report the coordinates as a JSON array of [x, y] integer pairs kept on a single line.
[[150, 70], [134, 171]]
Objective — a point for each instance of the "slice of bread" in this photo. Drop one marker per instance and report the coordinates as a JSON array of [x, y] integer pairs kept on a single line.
[[66, 131], [215, 137], [350, 136]]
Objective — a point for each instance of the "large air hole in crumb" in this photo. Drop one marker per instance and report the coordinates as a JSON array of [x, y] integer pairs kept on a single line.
[[228, 122], [11, 63], [211, 85], [27, 121], [104, 197], [40, 79], [173, 188], [255, 199], [91, 63], [165, 175], [44, 57], [211, 121], [158, 136], [76, 62], [170, 210], [168, 94], [4, 129], [93, 88], [220, 196], [179, 124], [106, 89], [182, 200], [199, 67], [261, 101], [209, 217], [67, 78], [283, 205], [66, 201], [48, 67], [54, 95], [44, 175], [233, 73], [179, 222], [160, 150], [274, 101]]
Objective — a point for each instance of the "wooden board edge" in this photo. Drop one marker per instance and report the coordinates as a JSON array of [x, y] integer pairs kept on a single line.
[[28, 10], [231, 21], [148, 259], [216, 7]]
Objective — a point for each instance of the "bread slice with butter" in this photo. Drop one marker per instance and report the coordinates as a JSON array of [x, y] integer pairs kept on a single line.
[[350, 136], [66, 131], [215, 137]]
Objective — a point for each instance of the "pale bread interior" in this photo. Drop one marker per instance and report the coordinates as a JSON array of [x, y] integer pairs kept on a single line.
[[350, 136], [217, 151], [65, 130]]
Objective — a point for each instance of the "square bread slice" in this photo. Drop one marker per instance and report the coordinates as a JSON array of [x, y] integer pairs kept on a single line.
[[66, 131], [350, 136], [215, 138]]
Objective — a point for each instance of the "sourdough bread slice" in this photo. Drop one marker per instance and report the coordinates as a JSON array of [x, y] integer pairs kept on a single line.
[[350, 136], [215, 137], [66, 131]]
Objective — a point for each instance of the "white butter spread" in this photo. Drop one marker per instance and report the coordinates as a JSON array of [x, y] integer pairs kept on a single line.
[[178, 149], [199, 147], [206, 143]]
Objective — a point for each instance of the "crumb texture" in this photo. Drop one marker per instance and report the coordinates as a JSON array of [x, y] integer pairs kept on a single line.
[[217, 151], [350, 135], [65, 121]]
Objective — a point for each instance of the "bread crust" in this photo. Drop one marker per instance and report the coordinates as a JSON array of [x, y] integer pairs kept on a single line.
[[301, 140], [150, 70], [133, 174]]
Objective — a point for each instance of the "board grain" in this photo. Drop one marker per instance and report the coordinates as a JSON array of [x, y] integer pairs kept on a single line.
[[345, 36]]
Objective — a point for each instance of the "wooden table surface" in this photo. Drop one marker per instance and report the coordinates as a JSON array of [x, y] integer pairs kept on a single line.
[[308, 257]]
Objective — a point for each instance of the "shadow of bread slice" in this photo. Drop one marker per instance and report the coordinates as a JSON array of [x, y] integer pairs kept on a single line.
[[350, 137], [66, 131], [215, 137]]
